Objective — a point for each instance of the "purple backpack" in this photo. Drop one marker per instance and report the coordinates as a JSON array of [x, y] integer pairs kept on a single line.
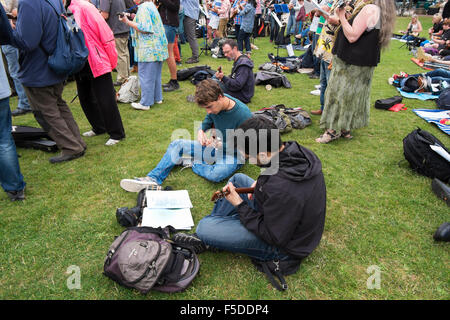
[[142, 258]]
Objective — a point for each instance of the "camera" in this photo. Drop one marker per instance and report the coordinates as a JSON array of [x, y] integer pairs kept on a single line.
[[127, 217]]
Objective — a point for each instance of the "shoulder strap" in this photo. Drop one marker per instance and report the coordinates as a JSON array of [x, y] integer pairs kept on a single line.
[[282, 286], [57, 13]]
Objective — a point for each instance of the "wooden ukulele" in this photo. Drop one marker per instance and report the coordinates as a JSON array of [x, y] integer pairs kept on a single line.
[[221, 194]]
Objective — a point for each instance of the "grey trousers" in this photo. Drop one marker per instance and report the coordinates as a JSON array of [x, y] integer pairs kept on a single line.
[[189, 31], [55, 117]]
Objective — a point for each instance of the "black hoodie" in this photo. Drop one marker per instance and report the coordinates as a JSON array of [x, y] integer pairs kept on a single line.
[[291, 203], [241, 83]]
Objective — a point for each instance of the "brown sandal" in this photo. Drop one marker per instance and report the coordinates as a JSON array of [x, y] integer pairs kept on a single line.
[[328, 136], [346, 134]]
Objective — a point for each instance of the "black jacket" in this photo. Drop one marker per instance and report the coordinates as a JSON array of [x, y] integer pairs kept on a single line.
[[168, 10], [241, 83], [290, 204]]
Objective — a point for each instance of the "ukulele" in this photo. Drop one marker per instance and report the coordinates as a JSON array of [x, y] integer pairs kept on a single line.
[[221, 194]]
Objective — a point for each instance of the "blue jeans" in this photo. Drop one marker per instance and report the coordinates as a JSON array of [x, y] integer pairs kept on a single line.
[[150, 81], [290, 29], [12, 57], [223, 230], [441, 74], [206, 164], [11, 178], [324, 76]]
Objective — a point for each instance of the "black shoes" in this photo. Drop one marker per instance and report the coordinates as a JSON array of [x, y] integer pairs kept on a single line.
[[68, 157], [19, 112], [441, 190], [192, 60], [172, 85], [16, 195], [443, 232], [190, 240]]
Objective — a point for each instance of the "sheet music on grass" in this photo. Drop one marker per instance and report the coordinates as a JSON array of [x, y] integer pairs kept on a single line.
[[172, 199], [168, 208]]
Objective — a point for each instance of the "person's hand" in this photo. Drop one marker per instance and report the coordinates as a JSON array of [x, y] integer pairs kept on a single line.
[[340, 12], [202, 138], [219, 75], [124, 18], [250, 195], [232, 197], [334, 20]]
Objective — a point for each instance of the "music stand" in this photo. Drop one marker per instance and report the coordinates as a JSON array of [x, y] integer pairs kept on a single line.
[[205, 40]]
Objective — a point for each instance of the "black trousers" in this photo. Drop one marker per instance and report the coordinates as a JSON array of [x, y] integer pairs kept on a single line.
[[98, 101]]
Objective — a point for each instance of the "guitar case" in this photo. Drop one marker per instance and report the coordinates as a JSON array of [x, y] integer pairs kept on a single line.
[[30, 137]]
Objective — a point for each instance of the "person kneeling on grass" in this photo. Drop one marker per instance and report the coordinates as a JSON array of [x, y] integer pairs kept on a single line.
[[211, 159], [284, 218]]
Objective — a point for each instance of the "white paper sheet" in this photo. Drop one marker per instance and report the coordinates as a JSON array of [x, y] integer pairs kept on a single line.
[[173, 199], [180, 219]]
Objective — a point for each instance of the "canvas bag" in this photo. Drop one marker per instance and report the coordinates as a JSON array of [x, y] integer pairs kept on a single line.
[[129, 90], [143, 259], [70, 53]]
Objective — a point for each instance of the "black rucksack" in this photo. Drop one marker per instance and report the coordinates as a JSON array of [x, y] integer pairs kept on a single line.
[[423, 159], [443, 102]]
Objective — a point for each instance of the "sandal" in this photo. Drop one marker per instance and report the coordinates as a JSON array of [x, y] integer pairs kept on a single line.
[[328, 136], [346, 134]]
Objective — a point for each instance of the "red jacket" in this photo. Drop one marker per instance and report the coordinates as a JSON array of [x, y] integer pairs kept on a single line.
[[98, 36]]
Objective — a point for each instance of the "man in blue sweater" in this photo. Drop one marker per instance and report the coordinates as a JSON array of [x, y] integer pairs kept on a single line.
[[212, 159], [35, 36]]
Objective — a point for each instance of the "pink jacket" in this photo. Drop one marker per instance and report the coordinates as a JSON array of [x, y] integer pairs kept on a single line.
[[98, 35]]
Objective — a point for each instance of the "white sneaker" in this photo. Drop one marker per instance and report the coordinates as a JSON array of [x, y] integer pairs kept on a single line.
[[137, 184], [138, 106], [111, 142], [89, 133], [159, 102], [317, 86], [315, 92]]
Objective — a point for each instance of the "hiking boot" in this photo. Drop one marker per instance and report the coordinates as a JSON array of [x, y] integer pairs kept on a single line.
[[16, 195], [172, 86], [137, 184], [191, 241], [192, 60]]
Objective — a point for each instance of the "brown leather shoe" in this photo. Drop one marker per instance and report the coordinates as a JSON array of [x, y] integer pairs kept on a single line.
[[316, 112]]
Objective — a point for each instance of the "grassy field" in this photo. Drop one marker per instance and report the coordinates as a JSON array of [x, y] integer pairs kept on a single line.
[[379, 212]]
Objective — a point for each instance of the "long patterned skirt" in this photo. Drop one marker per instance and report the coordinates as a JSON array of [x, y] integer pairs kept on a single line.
[[347, 97]]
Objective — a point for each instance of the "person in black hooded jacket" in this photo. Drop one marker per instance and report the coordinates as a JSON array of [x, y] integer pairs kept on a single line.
[[284, 218], [241, 82]]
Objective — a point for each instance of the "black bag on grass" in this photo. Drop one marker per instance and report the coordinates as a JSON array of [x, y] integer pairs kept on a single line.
[[423, 159], [385, 104], [30, 137], [278, 269]]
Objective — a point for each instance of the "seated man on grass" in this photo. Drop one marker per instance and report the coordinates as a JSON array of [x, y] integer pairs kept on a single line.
[[284, 218], [241, 83], [211, 159]]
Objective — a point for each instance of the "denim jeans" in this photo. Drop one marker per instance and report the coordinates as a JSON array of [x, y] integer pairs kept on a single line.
[[290, 29], [150, 81], [12, 57], [223, 230], [207, 164], [244, 39], [324, 76], [11, 178]]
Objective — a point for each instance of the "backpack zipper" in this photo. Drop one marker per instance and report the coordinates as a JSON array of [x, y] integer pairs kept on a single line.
[[113, 251], [152, 266]]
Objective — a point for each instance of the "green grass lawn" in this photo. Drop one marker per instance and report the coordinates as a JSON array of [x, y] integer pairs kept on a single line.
[[379, 212]]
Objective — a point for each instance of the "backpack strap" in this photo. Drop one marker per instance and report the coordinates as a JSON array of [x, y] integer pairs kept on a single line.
[[282, 286]]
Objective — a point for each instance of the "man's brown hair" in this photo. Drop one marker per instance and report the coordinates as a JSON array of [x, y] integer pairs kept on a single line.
[[207, 91]]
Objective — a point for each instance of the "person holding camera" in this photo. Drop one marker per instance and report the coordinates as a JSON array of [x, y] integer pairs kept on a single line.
[[413, 30], [109, 10], [150, 51]]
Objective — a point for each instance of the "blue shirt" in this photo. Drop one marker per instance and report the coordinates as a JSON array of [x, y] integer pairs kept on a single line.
[[36, 31], [191, 8], [5, 90]]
